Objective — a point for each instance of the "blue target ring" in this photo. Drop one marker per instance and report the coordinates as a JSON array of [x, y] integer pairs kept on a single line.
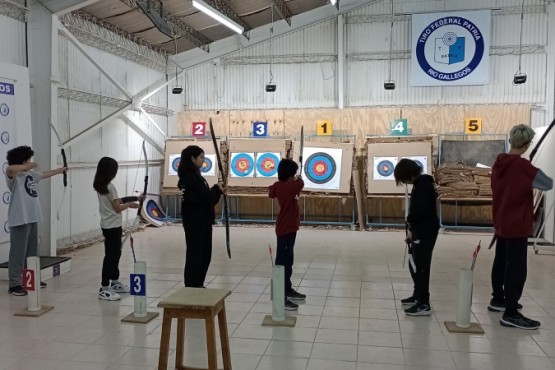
[[154, 211], [175, 163], [267, 164], [242, 165], [206, 165], [385, 168], [320, 168]]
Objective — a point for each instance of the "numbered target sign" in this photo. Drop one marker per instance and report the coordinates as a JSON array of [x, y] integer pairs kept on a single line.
[[473, 126], [399, 127], [323, 127], [138, 284], [199, 128], [29, 280], [260, 129]]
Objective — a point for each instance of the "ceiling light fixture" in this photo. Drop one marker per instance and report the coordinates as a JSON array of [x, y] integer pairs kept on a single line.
[[336, 3], [210, 11]]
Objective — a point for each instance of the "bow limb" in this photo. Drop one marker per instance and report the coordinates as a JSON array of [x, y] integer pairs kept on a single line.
[[535, 150], [64, 160]]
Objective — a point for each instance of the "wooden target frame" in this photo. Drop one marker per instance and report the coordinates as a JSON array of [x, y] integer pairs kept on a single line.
[[346, 169], [255, 146], [175, 147], [397, 148]]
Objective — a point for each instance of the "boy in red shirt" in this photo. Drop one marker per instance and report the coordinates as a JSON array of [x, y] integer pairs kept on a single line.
[[287, 191]]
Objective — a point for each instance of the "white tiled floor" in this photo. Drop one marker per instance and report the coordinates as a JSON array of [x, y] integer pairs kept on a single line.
[[352, 319]]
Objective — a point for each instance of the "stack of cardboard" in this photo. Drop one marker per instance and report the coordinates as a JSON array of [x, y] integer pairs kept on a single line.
[[456, 180]]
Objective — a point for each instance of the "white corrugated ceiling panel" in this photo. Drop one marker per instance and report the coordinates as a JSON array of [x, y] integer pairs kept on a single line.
[[12, 41]]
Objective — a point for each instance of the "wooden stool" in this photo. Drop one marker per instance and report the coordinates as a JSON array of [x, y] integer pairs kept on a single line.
[[195, 303]]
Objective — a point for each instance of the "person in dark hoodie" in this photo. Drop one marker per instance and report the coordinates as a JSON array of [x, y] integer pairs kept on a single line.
[[512, 181], [287, 191], [197, 211], [423, 227]]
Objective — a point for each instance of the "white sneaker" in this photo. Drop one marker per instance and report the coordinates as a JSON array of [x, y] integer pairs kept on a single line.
[[119, 287], [107, 294]]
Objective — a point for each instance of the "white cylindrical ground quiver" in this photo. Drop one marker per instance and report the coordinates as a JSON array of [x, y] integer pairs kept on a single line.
[[140, 300], [33, 295], [464, 303], [278, 293]]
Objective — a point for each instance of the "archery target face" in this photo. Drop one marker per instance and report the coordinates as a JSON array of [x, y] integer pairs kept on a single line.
[[173, 164], [322, 168], [421, 160], [152, 213], [242, 165], [267, 164], [209, 166], [383, 168]]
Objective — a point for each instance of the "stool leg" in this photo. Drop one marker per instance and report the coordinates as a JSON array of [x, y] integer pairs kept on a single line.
[[211, 342], [224, 339], [165, 342], [180, 343]]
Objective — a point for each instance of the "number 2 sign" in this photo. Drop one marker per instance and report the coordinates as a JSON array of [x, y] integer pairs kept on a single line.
[[29, 280], [199, 128]]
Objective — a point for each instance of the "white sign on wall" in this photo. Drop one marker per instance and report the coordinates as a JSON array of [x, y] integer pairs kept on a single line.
[[450, 48], [7, 142]]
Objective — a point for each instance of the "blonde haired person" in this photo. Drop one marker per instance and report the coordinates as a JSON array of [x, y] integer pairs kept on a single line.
[[512, 181]]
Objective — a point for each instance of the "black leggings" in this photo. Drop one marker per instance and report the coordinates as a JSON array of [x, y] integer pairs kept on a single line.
[[198, 255], [112, 254], [422, 249]]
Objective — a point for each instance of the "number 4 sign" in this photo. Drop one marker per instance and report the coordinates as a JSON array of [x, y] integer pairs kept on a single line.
[[199, 128], [399, 127]]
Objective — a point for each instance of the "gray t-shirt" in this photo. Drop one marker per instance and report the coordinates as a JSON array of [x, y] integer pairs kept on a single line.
[[24, 205], [109, 218]]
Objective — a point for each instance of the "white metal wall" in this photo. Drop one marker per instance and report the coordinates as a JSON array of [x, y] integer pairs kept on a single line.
[[236, 81], [79, 214], [12, 41]]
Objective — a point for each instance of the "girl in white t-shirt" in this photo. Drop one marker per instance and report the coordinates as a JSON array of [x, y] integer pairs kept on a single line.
[[110, 208]]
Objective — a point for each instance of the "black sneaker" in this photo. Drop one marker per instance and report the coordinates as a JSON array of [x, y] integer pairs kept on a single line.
[[519, 321], [419, 309], [293, 294], [290, 306], [43, 285], [410, 301], [497, 306], [17, 290]]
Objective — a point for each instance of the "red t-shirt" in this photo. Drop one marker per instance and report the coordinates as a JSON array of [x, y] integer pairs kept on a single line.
[[287, 194], [513, 198]]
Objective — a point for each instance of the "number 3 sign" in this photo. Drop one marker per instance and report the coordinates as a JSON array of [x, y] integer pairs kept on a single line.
[[260, 129], [199, 129], [138, 284]]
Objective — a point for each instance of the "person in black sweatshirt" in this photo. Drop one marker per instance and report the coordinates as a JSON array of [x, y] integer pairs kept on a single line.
[[423, 227], [197, 211]]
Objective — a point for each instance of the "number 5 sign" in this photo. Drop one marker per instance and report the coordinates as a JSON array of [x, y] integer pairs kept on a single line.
[[199, 128], [473, 126]]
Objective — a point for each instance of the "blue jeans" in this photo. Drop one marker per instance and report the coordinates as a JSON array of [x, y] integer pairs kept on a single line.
[[285, 257]]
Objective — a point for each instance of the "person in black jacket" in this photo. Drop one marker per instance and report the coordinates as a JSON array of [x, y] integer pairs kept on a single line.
[[197, 211], [423, 227]]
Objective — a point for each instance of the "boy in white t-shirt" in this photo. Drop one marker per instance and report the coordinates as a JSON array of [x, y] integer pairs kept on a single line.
[[24, 212]]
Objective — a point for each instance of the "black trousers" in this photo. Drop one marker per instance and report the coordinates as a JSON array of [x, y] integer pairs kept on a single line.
[[509, 271], [285, 257], [112, 254], [198, 240], [422, 249]]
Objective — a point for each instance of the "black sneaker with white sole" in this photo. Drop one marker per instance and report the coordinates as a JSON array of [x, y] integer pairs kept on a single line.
[[294, 295], [419, 309], [43, 285], [409, 302], [17, 291], [499, 306], [520, 321], [290, 306]]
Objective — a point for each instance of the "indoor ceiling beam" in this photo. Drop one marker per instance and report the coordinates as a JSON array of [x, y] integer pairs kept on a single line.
[[283, 10], [222, 7], [180, 28]]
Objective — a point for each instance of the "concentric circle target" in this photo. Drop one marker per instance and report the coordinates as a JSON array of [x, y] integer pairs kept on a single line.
[[385, 168], [242, 165], [206, 165], [450, 38], [320, 168], [267, 164], [154, 211], [175, 163]]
